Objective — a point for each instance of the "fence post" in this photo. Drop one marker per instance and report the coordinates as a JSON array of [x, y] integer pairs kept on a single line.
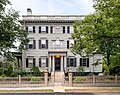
[[116, 79], [19, 79], [70, 78], [46, 77], [93, 79]]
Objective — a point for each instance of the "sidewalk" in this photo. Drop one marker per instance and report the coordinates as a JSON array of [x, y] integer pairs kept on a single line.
[[57, 88]]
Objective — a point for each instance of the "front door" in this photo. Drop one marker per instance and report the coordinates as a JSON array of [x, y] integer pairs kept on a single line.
[[57, 64]]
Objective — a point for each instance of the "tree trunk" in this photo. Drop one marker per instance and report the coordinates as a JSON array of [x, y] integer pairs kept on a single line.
[[108, 58]]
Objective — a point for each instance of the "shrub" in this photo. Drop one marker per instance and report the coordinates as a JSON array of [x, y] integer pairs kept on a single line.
[[79, 80]]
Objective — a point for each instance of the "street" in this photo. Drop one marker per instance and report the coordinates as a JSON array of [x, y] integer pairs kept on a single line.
[[64, 93]]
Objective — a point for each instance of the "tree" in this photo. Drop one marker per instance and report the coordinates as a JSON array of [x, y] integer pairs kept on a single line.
[[11, 32], [99, 32]]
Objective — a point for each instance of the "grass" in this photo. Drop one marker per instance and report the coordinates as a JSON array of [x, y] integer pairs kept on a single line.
[[15, 91], [93, 90]]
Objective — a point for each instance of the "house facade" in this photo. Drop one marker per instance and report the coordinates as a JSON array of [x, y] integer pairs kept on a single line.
[[50, 44]]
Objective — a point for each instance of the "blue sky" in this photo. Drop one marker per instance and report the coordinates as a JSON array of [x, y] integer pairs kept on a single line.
[[51, 7]]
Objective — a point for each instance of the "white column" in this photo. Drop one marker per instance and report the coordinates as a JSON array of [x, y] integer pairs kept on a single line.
[[53, 67], [62, 63], [65, 66], [49, 64]]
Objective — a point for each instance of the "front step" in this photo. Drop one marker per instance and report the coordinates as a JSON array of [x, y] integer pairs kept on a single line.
[[59, 76]]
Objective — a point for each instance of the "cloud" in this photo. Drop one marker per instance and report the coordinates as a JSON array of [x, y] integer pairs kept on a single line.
[[53, 6]]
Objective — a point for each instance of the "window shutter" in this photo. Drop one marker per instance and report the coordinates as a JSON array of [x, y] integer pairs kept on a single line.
[[87, 62], [75, 62], [63, 29], [75, 42], [68, 63], [26, 46], [80, 61], [67, 44], [34, 44], [46, 62], [39, 44], [46, 29], [46, 44], [33, 29], [26, 28], [68, 29], [39, 29], [26, 62], [33, 61], [51, 29], [39, 62]]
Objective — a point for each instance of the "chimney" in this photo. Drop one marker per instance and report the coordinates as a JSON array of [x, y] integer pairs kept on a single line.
[[29, 11]]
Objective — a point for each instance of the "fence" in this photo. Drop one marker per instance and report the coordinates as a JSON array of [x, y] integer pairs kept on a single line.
[[78, 80]]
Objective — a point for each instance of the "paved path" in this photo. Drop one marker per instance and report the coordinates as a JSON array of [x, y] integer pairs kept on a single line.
[[58, 87]]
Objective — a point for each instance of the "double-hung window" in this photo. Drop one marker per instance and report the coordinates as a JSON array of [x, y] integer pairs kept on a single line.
[[84, 62], [31, 44], [30, 29], [43, 29], [43, 62], [30, 62], [70, 43], [43, 44], [71, 62]]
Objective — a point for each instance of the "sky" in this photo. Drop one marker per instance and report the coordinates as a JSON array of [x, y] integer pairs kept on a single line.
[[54, 7]]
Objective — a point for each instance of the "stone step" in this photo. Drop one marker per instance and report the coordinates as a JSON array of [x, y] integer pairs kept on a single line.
[[59, 76]]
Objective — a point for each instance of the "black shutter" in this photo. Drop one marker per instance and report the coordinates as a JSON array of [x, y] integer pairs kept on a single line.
[[26, 62], [46, 44], [68, 29], [46, 62], [67, 44], [80, 61], [68, 63], [46, 29], [63, 29], [34, 44], [87, 62], [33, 61], [26, 46], [51, 29], [39, 62], [39, 29], [75, 42], [33, 29], [75, 62], [26, 28], [39, 44]]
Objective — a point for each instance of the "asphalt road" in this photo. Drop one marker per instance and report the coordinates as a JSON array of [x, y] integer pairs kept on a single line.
[[108, 93]]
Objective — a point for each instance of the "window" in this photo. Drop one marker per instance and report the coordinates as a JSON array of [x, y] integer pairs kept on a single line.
[[30, 29], [43, 62], [31, 44], [71, 61], [43, 44], [30, 62], [84, 62], [68, 29], [71, 29], [63, 29], [57, 43], [43, 29], [69, 43]]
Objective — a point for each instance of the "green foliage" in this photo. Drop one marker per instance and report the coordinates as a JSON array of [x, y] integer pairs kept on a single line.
[[11, 31], [99, 32], [80, 70], [35, 80], [79, 80], [35, 70]]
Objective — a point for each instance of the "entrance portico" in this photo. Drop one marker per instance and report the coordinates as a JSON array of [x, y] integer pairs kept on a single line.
[[57, 61]]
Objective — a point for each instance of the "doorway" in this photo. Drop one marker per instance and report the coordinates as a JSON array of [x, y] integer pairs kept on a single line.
[[57, 64]]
